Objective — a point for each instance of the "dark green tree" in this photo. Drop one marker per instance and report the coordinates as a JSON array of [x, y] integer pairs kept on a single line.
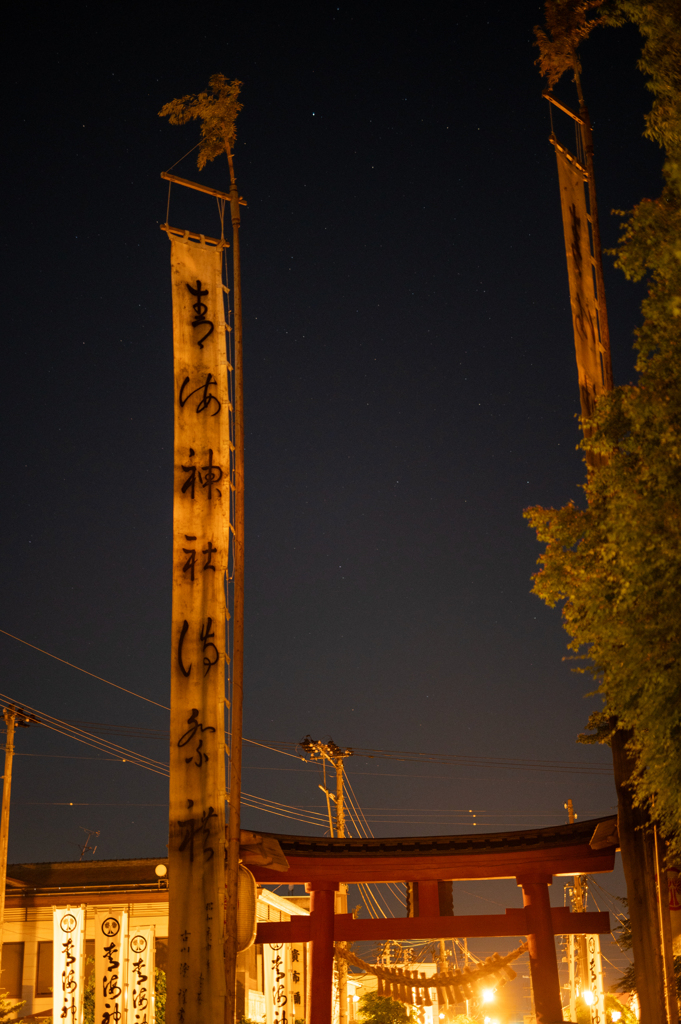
[[375, 1009]]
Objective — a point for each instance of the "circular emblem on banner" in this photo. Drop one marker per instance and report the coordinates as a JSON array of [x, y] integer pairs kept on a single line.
[[68, 923], [110, 926], [138, 943]]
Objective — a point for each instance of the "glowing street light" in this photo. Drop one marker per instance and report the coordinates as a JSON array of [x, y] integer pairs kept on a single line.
[[488, 995], [588, 997]]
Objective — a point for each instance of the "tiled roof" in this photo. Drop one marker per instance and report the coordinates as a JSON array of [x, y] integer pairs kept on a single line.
[[555, 836]]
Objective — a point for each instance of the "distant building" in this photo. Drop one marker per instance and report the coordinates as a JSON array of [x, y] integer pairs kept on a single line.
[[270, 979]]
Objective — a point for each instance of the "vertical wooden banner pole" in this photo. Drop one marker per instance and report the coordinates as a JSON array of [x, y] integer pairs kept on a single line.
[[234, 827], [201, 515]]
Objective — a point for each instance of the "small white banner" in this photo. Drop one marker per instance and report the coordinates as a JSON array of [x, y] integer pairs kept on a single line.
[[141, 976], [111, 949], [68, 964]]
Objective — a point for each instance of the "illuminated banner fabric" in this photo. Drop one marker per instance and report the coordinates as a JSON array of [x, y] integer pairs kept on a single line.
[[111, 946], [141, 978], [276, 978], [298, 983], [583, 298], [201, 504], [68, 964], [595, 973]]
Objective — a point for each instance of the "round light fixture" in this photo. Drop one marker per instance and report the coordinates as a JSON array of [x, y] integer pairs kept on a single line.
[[161, 870]]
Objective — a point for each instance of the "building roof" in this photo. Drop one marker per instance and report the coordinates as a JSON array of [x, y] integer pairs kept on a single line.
[[83, 874]]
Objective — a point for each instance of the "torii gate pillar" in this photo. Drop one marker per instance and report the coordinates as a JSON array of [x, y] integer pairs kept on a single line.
[[542, 948], [322, 909]]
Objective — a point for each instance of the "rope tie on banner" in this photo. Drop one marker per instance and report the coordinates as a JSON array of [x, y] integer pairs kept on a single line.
[[452, 987]]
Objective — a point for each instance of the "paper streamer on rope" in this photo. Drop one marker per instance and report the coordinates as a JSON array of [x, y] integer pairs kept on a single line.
[[452, 987], [581, 277], [201, 516], [68, 963]]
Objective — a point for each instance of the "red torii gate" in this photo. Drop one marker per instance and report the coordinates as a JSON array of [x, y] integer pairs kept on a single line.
[[531, 857]]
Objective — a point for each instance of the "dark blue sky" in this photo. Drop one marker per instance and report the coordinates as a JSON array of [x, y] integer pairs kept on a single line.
[[410, 388]]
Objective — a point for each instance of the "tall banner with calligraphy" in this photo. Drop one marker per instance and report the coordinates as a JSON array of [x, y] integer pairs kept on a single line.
[[201, 517], [595, 979], [111, 954], [68, 964], [276, 979], [591, 357], [141, 975]]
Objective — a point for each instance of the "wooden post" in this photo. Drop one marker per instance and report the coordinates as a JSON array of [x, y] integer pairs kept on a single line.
[[429, 899], [321, 959], [10, 717], [542, 948], [665, 931], [234, 827], [638, 861]]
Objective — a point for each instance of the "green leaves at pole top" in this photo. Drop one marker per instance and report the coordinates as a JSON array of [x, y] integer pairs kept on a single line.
[[567, 23], [217, 108]]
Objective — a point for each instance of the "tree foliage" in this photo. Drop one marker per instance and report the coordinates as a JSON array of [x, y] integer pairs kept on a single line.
[[375, 1009], [217, 109], [568, 23], [615, 565], [9, 1008], [627, 983]]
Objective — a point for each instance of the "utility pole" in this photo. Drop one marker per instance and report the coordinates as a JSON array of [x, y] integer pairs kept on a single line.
[[10, 717], [336, 755], [13, 717], [577, 943]]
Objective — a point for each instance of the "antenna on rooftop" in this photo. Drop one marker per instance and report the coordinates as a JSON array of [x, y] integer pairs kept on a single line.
[[86, 848]]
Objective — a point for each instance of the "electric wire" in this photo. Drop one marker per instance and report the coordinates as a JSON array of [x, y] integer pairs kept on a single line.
[[520, 764], [79, 669]]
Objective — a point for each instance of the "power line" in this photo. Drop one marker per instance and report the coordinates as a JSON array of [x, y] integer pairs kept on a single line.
[[460, 760], [79, 669]]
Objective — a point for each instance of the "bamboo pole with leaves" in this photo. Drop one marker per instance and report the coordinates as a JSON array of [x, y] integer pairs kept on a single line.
[[217, 109], [568, 23]]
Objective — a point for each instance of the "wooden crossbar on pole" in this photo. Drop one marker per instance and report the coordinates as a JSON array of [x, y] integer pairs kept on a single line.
[[199, 188]]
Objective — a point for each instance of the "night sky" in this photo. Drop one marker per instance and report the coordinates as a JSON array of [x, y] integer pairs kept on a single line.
[[410, 384]]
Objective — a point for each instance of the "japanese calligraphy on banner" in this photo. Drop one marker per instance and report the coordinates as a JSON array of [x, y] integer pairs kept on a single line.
[[111, 948], [581, 276], [141, 976], [68, 964], [595, 979], [276, 981], [298, 982], [201, 504]]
